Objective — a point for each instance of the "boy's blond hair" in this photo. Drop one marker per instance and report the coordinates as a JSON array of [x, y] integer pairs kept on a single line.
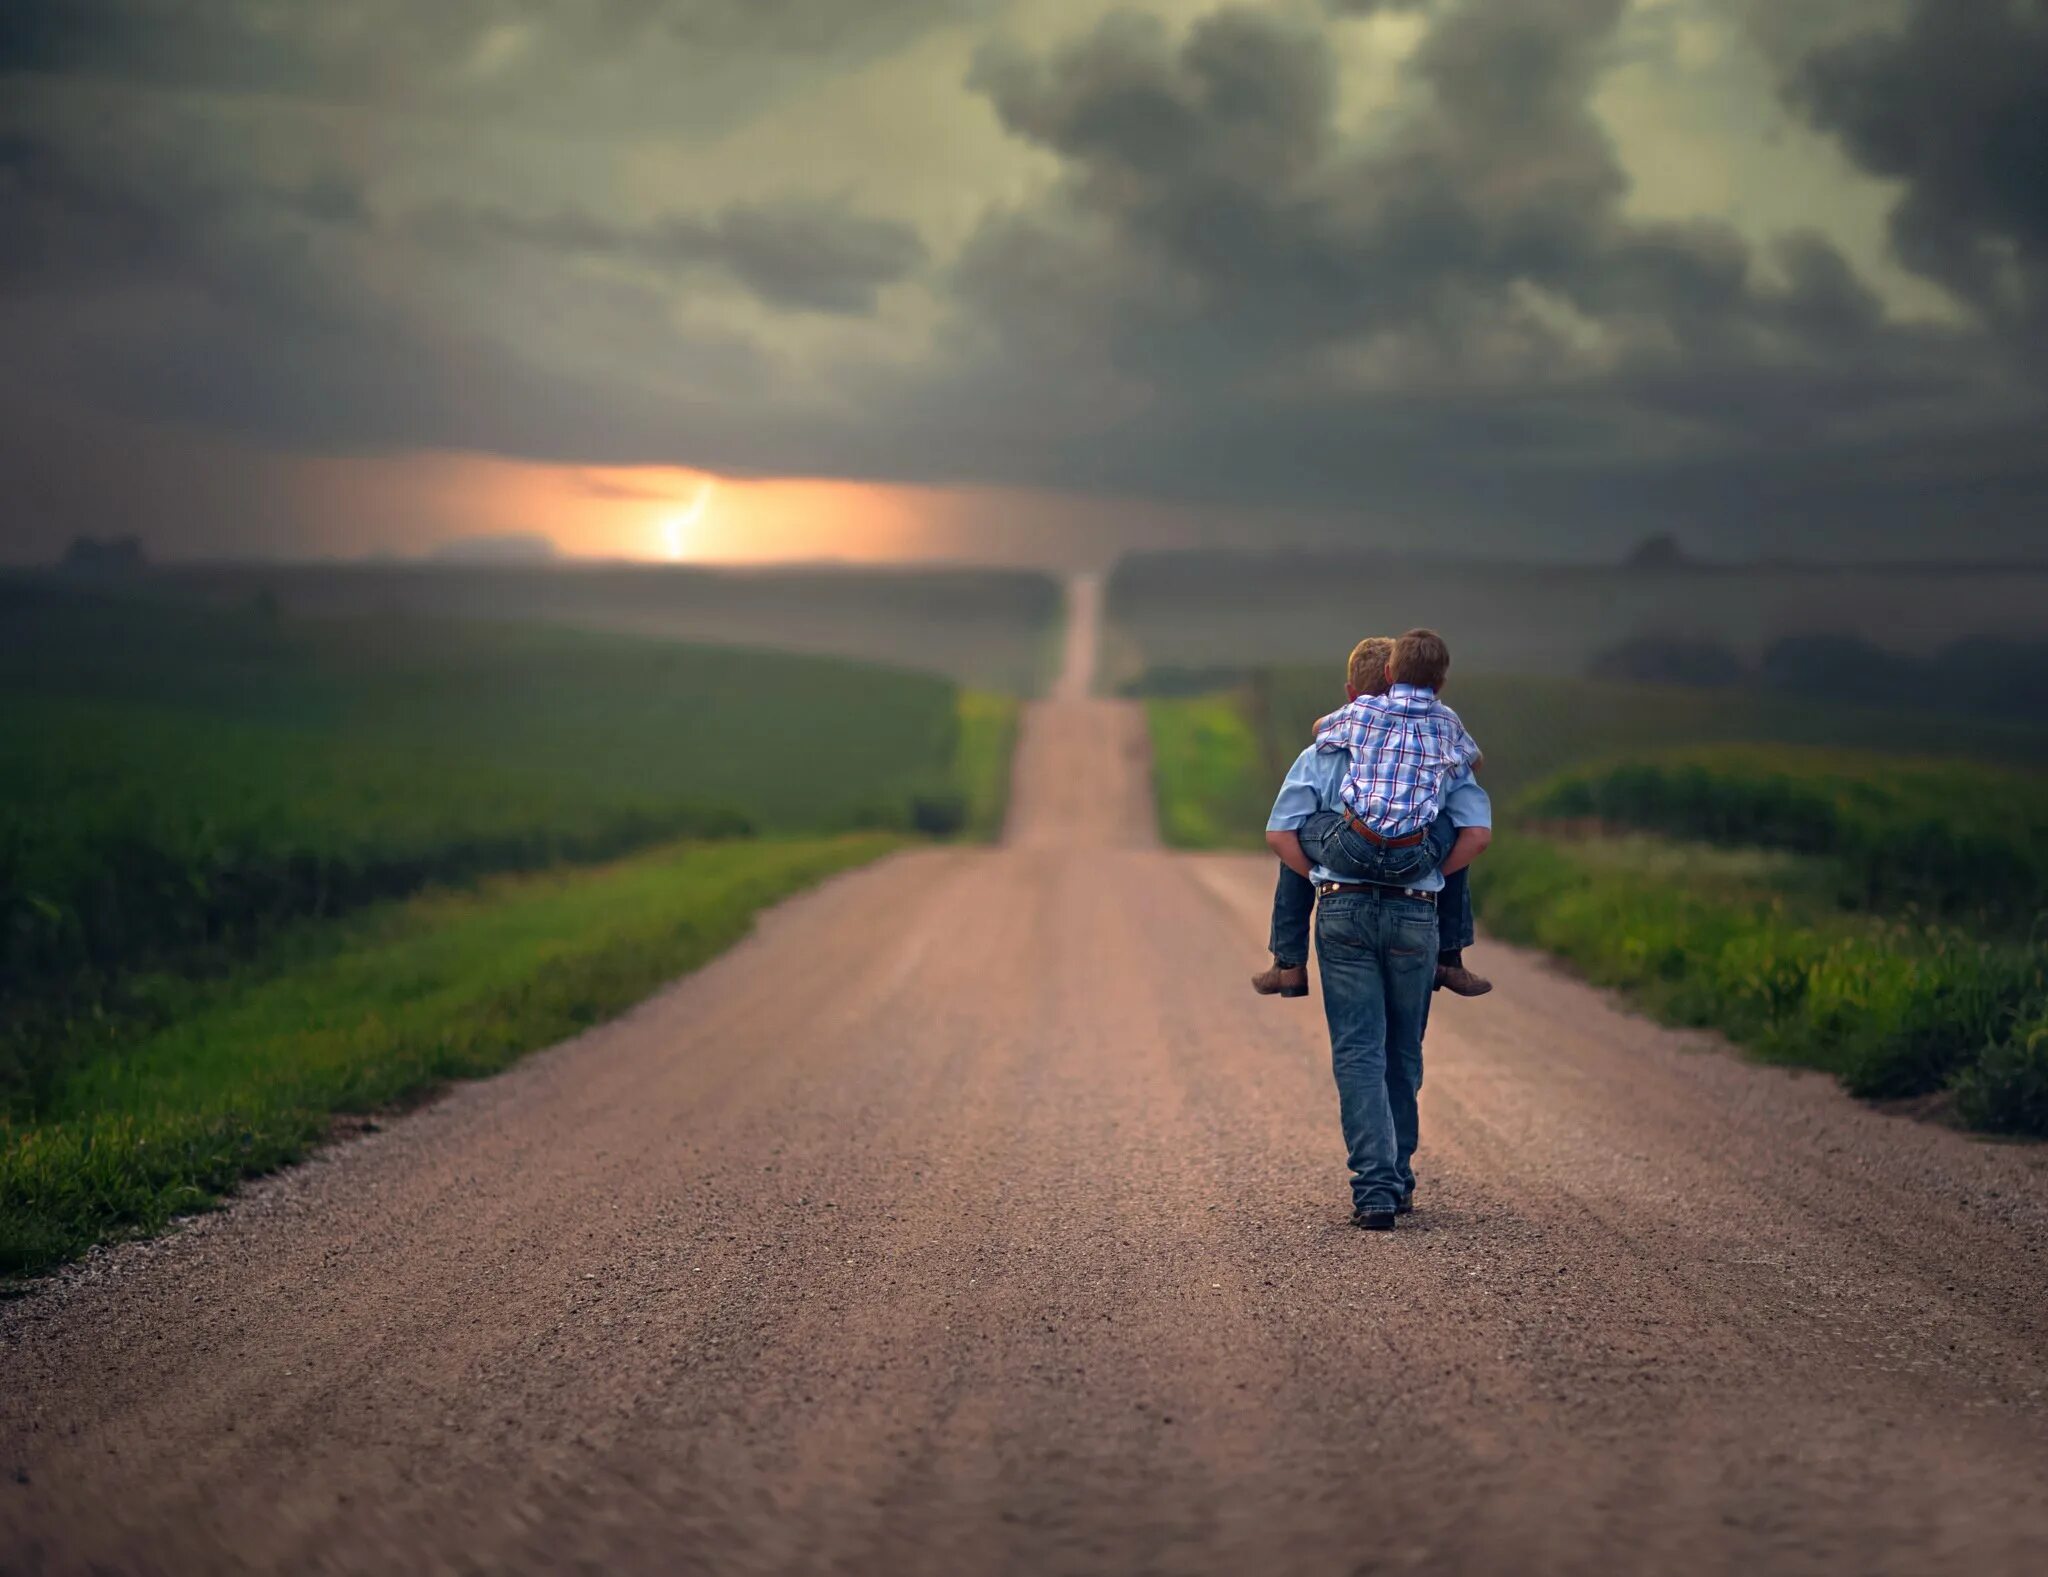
[[1422, 659], [1366, 672]]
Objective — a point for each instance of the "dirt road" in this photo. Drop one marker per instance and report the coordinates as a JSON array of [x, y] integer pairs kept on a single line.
[[974, 1217]]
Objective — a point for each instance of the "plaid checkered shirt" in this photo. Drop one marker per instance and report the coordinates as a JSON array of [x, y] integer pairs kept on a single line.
[[1404, 747]]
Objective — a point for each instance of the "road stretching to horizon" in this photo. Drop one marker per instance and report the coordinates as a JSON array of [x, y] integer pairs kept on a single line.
[[974, 1216]]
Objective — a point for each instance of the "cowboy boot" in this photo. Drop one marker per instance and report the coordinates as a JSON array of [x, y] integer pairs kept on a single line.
[[1282, 980]]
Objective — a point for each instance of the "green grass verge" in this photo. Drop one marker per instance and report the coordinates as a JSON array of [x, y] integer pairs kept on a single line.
[[357, 1014], [1209, 778], [981, 761], [1751, 944]]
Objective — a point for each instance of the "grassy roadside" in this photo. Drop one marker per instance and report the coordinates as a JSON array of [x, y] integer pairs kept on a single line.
[[981, 759], [357, 1014], [1754, 943], [1208, 777]]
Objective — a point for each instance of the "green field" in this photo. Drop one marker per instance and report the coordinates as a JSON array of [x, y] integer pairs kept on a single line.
[[247, 1069], [1882, 918], [256, 868], [176, 781], [1944, 838], [986, 629]]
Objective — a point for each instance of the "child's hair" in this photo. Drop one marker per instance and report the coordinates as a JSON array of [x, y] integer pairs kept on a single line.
[[1422, 659], [1366, 671]]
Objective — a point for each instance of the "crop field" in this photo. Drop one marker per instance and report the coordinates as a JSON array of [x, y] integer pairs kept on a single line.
[[988, 629], [177, 782], [1946, 838]]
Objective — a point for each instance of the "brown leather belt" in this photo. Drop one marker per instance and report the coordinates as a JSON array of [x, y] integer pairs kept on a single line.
[[1365, 832], [1325, 889]]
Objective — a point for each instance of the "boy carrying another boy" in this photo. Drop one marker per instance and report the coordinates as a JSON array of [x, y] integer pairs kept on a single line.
[[1407, 755]]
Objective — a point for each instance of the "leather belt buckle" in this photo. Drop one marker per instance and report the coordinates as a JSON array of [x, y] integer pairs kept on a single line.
[[1329, 889]]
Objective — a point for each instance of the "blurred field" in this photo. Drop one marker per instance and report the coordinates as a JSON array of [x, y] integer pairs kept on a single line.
[[989, 629], [1945, 838], [1237, 611], [1208, 784], [1534, 725], [176, 782]]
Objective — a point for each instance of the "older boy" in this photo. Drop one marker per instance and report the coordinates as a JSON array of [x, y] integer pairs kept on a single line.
[[1386, 761], [1338, 841]]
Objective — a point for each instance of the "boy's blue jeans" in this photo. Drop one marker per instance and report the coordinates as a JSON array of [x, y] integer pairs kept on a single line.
[[1327, 840]]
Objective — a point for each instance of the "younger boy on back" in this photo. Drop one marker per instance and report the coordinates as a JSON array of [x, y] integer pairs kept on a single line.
[[1406, 752]]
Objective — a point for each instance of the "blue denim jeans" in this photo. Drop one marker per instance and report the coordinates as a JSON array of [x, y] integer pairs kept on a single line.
[[1377, 951], [1328, 841]]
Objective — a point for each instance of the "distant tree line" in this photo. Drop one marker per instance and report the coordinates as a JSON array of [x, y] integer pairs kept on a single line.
[[104, 556], [1987, 675]]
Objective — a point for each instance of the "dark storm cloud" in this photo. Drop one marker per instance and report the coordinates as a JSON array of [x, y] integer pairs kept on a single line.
[[806, 256], [1226, 292], [162, 296], [1955, 105], [1242, 302], [393, 49]]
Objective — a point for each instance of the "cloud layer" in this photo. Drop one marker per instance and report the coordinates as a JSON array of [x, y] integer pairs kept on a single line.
[[1372, 269]]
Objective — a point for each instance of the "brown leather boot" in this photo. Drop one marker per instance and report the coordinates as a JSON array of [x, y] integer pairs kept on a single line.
[[1456, 977], [1282, 980]]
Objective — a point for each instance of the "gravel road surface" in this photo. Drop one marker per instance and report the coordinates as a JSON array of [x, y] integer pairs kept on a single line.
[[973, 1216]]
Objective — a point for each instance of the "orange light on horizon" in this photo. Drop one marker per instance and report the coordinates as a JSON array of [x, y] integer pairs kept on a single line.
[[682, 526], [414, 503]]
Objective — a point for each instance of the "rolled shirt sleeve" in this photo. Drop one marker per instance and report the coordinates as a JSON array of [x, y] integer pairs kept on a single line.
[[1465, 802], [1311, 785]]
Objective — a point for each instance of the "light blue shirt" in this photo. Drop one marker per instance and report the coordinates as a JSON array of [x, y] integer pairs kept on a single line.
[[1317, 776]]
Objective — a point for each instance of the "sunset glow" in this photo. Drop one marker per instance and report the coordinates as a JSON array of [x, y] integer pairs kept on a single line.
[[407, 505], [682, 526]]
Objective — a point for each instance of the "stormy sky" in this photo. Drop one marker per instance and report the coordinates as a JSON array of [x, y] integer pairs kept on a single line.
[[1535, 277]]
